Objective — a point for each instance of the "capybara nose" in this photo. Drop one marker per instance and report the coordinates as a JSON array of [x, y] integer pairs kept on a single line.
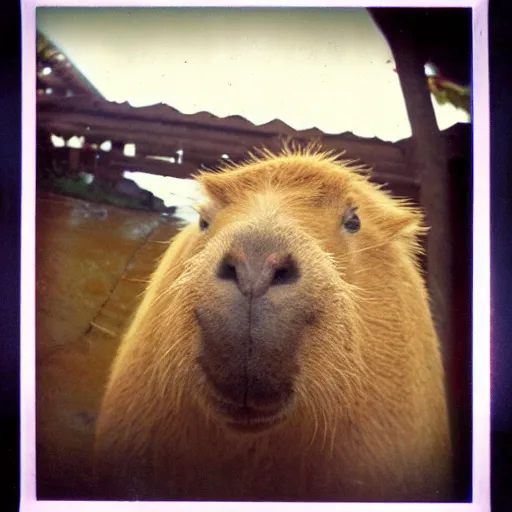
[[254, 274]]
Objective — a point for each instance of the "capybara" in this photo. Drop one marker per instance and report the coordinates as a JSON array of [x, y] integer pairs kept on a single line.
[[284, 349]]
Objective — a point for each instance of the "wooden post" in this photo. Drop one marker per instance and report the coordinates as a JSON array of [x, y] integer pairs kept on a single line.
[[428, 161]]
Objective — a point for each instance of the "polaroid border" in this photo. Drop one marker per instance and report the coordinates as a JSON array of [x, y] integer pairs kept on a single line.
[[481, 267]]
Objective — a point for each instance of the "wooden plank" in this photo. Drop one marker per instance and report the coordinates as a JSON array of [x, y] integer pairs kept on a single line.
[[165, 114], [147, 133], [157, 167], [126, 126], [199, 149], [405, 184]]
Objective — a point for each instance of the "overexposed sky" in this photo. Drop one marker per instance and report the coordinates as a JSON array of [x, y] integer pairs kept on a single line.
[[183, 194], [326, 68]]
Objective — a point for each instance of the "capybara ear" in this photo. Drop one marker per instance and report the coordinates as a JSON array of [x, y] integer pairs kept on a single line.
[[226, 183], [215, 189], [218, 187], [394, 217], [403, 221]]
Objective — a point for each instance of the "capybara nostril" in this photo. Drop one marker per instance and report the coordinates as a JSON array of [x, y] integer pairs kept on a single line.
[[254, 274], [285, 271], [227, 270]]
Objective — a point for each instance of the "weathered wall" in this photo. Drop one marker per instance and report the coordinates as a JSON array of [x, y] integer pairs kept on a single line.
[[91, 264]]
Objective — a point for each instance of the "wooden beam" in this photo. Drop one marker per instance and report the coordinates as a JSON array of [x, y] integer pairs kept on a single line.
[[187, 169], [184, 170], [138, 132], [176, 130], [202, 124], [166, 114], [200, 148]]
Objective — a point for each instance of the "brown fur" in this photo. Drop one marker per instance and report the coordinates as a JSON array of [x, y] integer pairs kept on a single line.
[[369, 419]]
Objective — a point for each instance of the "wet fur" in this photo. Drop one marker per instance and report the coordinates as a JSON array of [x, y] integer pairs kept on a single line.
[[369, 422]]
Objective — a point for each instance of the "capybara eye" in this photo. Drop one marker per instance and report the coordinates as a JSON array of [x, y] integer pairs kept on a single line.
[[203, 224], [351, 221]]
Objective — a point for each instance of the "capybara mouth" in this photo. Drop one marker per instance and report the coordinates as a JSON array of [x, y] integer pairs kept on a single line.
[[244, 400], [249, 419]]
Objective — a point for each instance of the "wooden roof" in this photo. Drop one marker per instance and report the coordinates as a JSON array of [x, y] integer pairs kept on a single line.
[[162, 130], [64, 77]]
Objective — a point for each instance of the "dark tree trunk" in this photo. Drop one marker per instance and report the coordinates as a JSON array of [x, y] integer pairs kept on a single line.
[[428, 161]]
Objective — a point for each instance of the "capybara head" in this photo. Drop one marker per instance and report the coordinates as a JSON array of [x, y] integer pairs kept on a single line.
[[267, 313]]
